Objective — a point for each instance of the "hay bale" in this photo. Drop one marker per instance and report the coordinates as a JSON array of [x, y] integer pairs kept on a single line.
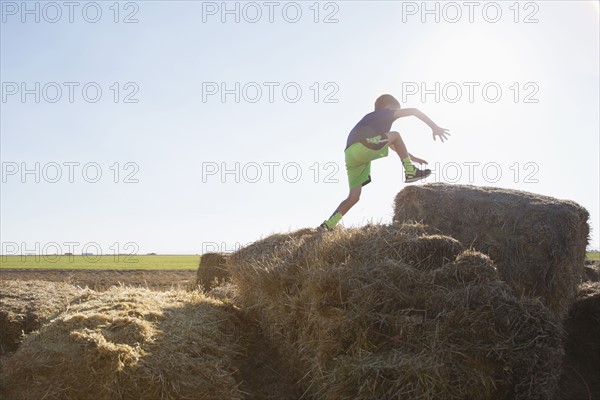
[[129, 343], [212, 271], [538, 243], [580, 378], [26, 305], [392, 311]]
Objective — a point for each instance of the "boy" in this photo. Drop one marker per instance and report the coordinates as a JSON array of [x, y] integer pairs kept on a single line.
[[370, 140]]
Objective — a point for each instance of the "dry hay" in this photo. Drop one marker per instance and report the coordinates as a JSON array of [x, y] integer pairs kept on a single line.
[[129, 343], [538, 243], [26, 306], [390, 311], [581, 376], [212, 271], [226, 292]]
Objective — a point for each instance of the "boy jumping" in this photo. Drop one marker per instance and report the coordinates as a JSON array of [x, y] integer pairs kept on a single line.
[[370, 140]]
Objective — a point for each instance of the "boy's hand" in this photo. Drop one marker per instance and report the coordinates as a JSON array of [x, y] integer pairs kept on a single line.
[[441, 132], [417, 160]]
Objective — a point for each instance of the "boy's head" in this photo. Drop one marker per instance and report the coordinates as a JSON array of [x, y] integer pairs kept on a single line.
[[387, 101]]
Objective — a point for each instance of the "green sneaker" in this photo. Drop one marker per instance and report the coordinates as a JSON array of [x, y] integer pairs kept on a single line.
[[416, 175]]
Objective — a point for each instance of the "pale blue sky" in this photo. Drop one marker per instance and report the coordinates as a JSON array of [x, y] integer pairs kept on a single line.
[[172, 135]]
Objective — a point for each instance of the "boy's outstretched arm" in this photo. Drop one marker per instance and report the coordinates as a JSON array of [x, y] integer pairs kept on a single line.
[[437, 131]]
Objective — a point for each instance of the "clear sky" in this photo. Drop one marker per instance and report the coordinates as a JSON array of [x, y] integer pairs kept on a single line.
[[186, 127]]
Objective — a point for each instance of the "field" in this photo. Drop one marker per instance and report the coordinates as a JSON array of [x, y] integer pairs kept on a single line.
[[593, 256], [106, 262], [158, 272]]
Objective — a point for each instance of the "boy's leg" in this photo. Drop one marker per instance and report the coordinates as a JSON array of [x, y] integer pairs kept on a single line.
[[412, 173], [358, 167], [343, 208], [397, 144]]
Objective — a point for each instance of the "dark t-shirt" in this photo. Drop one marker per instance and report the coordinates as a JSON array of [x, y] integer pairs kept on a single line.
[[375, 123]]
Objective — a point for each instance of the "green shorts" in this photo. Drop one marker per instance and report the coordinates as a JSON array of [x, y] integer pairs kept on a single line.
[[358, 163]]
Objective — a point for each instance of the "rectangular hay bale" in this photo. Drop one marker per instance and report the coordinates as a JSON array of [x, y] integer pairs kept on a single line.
[[538, 243], [212, 270]]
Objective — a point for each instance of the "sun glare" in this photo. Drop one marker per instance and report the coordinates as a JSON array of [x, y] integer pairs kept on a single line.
[[478, 57]]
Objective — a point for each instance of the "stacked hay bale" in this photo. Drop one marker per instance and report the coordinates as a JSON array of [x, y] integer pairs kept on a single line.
[[538, 243], [26, 305], [393, 311], [129, 343], [212, 271]]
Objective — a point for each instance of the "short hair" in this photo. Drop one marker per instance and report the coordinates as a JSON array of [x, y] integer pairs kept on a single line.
[[386, 100]]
